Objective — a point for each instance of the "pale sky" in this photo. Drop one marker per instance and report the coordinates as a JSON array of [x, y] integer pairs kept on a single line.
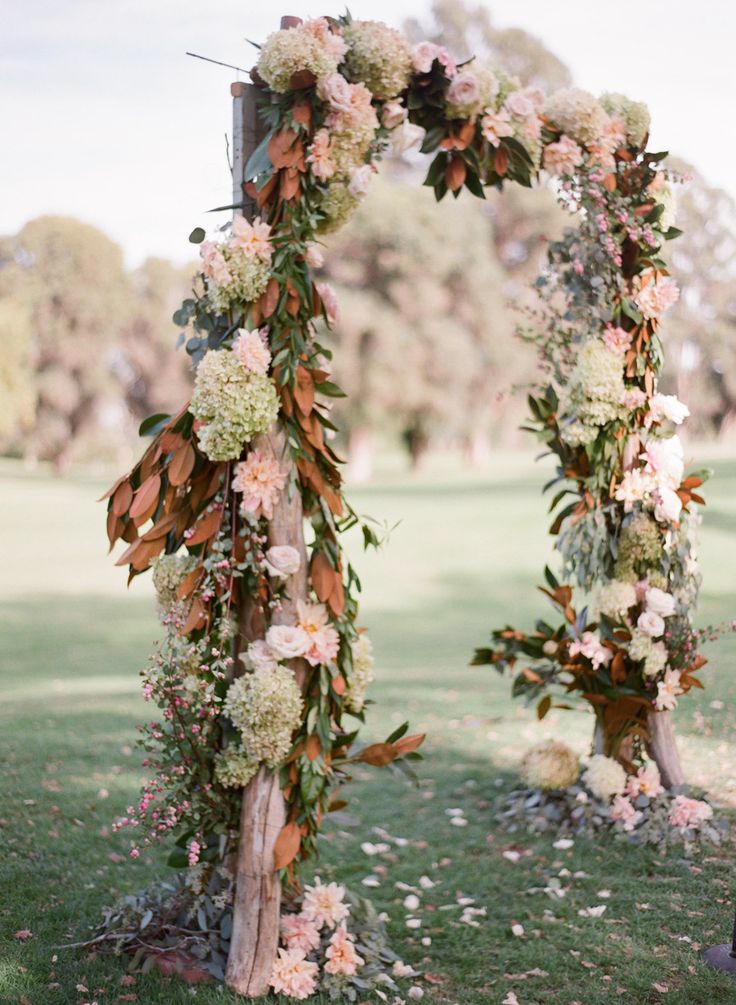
[[104, 118]]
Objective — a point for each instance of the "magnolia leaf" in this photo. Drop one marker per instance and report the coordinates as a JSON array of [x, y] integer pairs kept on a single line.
[[287, 845]]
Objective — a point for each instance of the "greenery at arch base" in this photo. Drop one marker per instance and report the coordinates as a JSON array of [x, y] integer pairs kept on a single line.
[[336, 95]]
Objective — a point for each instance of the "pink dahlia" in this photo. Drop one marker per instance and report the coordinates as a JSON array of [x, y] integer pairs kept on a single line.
[[253, 239], [261, 481], [252, 350], [294, 975], [324, 904], [299, 932], [657, 297], [342, 957]]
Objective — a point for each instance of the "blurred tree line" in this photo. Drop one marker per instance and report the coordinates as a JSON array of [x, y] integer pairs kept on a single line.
[[425, 345]]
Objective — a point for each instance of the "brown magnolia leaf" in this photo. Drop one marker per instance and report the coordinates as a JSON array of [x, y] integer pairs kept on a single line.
[[171, 441], [146, 552], [113, 488], [287, 845], [501, 161], [207, 527], [146, 499], [285, 149], [609, 182], [302, 114], [378, 754], [313, 747], [270, 299], [196, 617], [130, 532], [322, 576], [128, 554], [304, 390], [267, 191], [181, 464], [122, 499], [115, 527], [455, 174], [189, 584], [289, 187], [544, 706], [304, 78], [161, 528], [338, 684], [408, 744], [336, 600]]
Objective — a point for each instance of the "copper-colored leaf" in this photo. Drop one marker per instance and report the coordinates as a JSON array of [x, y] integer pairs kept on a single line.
[[189, 584], [455, 174], [196, 618], [161, 528], [122, 499], [408, 744], [287, 845], [146, 499], [304, 390], [313, 748], [181, 464], [115, 527], [302, 114], [378, 754], [338, 684], [289, 186], [322, 576], [501, 161], [270, 299], [207, 527], [336, 599]]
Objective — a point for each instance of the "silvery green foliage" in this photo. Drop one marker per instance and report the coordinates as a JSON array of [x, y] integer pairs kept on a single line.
[[576, 811], [586, 548]]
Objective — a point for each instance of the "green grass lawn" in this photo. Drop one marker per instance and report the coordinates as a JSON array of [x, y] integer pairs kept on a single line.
[[465, 557]]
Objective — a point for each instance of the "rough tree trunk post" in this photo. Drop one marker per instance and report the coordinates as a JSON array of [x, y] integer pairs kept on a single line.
[[662, 748], [257, 905]]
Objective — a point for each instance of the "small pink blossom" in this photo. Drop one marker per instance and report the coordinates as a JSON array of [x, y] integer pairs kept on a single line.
[[646, 782], [261, 481], [313, 256], [633, 398], [319, 156], [496, 125], [253, 239], [590, 646], [623, 810], [332, 42], [193, 854], [667, 691]]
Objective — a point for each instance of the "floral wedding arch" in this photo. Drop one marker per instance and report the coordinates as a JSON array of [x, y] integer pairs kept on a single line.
[[263, 667]]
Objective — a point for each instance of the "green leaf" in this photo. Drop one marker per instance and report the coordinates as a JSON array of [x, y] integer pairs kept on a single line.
[[153, 424], [197, 235]]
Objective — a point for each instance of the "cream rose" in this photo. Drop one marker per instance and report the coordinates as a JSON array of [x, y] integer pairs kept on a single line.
[[393, 114], [406, 137], [259, 656], [287, 641], [282, 560], [336, 90], [360, 181], [660, 602]]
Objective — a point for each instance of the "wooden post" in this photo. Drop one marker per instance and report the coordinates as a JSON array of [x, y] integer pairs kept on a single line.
[[662, 748], [257, 905]]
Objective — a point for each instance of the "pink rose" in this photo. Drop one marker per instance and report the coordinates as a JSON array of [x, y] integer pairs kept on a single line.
[[562, 157], [425, 53], [519, 104], [651, 624], [336, 90], [406, 137], [259, 656], [464, 91]]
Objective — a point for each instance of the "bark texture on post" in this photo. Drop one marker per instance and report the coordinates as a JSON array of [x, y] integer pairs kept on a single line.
[[257, 906], [662, 748]]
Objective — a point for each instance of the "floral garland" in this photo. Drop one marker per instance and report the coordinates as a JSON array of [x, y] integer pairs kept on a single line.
[[338, 94], [604, 797]]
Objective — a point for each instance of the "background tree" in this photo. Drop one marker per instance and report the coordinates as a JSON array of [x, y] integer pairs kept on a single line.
[[70, 279]]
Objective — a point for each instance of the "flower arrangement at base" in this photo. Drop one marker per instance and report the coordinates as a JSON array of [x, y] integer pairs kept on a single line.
[[605, 799]]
